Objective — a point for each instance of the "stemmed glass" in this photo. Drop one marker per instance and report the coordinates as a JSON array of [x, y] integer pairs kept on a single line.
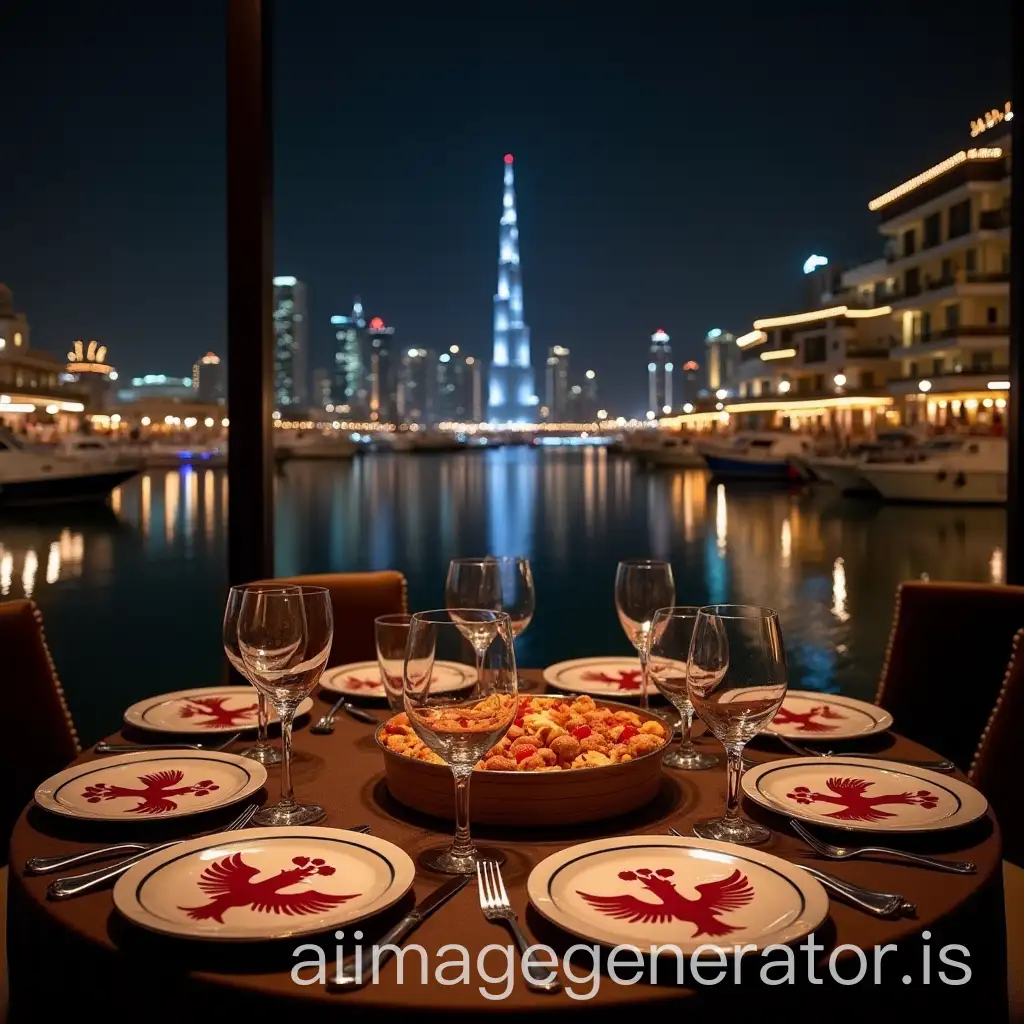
[[671, 634], [392, 635], [642, 586], [736, 678], [460, 727], [518, 598], [284, 636], [473, 583], [261, 750]]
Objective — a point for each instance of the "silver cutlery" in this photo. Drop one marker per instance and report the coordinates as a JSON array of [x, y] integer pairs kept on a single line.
[[324, 726], [74, 885], [495, 904], [881, 904], [346, 976], [832, 852], [134, 748], [941, 765]]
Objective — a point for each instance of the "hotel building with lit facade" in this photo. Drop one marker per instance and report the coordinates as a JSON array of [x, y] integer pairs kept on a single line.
[[917, 337]]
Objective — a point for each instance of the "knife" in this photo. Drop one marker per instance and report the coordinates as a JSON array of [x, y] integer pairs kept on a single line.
[[345, 978]]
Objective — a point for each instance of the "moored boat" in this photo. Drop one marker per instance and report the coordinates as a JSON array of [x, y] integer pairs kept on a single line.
[[758, 456], [674, 451]]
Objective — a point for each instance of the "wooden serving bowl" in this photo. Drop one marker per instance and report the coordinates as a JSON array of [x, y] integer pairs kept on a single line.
[[530, 798]]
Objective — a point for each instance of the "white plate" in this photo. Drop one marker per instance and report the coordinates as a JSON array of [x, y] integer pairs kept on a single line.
[[208, 709], [675, 891], [600, 677], [151, 785], [808, 715], [363, 679], [257, 884], [863, 796]]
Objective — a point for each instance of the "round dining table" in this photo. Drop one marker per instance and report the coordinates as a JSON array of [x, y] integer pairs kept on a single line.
[[80, 954]]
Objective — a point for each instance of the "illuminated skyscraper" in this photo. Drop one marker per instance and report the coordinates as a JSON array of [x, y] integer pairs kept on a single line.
[[659, 375], [511, 395], [721, 363], [291, 346]]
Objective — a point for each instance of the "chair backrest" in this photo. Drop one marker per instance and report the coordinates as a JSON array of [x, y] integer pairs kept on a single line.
[[945, 661], [41, 738], [357, 599], [994, 770]]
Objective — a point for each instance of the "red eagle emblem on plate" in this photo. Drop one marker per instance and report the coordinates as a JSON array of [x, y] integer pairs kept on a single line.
[[212, 708], [155, 796], [626, 679], [355, 683], [854, 802], [230, 884], [804, 720], [721, 897]]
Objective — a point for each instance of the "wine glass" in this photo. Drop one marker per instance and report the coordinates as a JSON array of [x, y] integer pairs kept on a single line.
[[474, 583], [284, 636], [736, 678], [518, 598], [460, 727], [392, 635], [261, 750], [642, 586], [671, 633]]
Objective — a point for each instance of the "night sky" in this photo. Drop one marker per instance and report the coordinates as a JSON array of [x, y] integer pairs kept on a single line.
[[672, 171]]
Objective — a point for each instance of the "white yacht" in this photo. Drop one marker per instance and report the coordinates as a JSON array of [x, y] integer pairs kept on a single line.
[[97, 451], [845, 470], [170, 456], [946, 470], [672, 450], [30, 475], [758, 455], [306, 445]]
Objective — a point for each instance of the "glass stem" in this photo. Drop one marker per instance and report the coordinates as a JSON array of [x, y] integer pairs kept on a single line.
[[686, 728], [263, 717], [734, 772], [479, 665], [287, 795], [463, 845], [644, 700]]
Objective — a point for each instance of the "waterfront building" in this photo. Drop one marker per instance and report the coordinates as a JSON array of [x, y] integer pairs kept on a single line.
[[291, 344], [721, 358], [208, 379], [365, 376], [591, 403], [416, 393], [947, 255], [659, 374], [322, 389], [383, 376], [457, 387], [158, 385], [34, 385], [690, 382], [88, 368], [556, 383], [511, 394]]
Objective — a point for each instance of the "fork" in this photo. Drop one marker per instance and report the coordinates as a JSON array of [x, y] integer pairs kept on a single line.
[[831, 852], [494, 902], [75, 885], [324, 726], [881, 904], [936, 766], [133, 748]]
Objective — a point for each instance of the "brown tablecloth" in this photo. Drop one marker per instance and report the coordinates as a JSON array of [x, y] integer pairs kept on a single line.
[[81, 952]]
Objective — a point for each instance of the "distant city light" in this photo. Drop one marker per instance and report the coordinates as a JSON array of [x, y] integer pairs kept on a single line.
[[145, 421], [784, 387], [839, 379], [168, 420], [659, 335], [113, 374], [208, 422], [329, 408], [651, 367], [688, 408], [225, 422], [620, 421], [116, 418], [666, 409], [508, 159], [813, 262], [444, 358], [376, 324], [454, 349], [470, 360], [650, 414], [590, 375], [602, 414], [751, 338], [275, 415], [721, 393], [669, 367], [691, 366], [190, 421], [284, 282], [52, 409], [719, 406], [987, 402], [999, 385], [924, 385], [715, 332], [3, 343]]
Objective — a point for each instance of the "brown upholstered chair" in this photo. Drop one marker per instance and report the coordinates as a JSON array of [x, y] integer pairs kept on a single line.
[[995, 773], [46, 740], [357, 598], [946, 659]]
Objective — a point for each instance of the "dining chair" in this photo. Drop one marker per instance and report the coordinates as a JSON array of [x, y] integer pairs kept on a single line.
[[357, 598], [46, 740], [945, 661], [994, 772]]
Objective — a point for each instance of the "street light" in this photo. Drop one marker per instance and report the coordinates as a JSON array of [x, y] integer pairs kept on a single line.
[[650, 414], [688, 408], [839, 379], [925, 386], [721, 393], [602, 414], [590, 375], [784, 387], [666, 409]]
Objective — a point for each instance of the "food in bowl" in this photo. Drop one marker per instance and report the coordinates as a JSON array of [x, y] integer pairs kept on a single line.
[[549, 734]]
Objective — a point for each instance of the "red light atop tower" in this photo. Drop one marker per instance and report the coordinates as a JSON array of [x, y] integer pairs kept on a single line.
[[376, 324], [508, 158]]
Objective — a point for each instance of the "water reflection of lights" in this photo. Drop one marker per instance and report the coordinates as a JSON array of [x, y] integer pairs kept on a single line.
[[209, 512], [172, 487], [6, 572], [996, 566], [721, 518], [839, 591], [53, 563], [145, 504], [28, 572], [115, 500], [786, 543]]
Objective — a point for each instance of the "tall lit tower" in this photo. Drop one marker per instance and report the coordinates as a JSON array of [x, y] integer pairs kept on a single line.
[[659, 374], [511, 395]]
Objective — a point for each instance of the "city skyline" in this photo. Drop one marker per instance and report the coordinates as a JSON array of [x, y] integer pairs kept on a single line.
[[700, 215]]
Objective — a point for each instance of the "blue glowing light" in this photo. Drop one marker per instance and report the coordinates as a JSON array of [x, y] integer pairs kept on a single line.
[[813, 262]]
